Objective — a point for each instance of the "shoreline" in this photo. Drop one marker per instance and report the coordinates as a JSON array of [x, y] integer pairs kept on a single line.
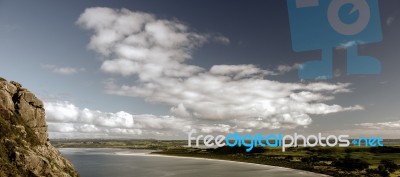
[[151, 154], [232, 161]]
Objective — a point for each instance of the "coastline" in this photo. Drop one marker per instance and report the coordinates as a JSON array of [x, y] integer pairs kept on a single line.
[[153, 153], [316, 161], [245, 163]]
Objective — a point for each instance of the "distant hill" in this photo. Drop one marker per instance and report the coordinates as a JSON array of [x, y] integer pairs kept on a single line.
[[24, 147]]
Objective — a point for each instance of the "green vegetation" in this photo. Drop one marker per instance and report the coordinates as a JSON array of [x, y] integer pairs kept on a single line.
[[385, 168], [10, 138], [6, 147], [349, 164], [351, 161]]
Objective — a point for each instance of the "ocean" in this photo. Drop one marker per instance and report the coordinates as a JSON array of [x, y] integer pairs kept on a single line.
[[106, 162]]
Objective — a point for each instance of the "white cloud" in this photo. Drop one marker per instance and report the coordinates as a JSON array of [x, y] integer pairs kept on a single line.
[[155, 50], [390, 20], [209, 96], [63, 70], [222, 39], [286, 121], [62, 112], [61, 127], [239, 71], [282, 69], [381, 125], [138, 43], [358, 132], [65, 117], [181, 111], [220, 128]]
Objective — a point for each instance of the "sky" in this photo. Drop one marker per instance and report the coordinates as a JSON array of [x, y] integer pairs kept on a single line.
[[157, 69]]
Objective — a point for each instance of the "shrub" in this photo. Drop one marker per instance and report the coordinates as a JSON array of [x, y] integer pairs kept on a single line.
[[389, 165], [310, 159], [289, 158], [237, 149], [4, 127], [381, 171], [385, 149], [350, 164]]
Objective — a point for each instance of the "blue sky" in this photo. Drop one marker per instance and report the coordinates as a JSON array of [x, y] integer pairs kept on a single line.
[[237, 70]]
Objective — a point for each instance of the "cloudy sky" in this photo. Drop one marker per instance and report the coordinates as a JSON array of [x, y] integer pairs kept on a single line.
[[156, 69]]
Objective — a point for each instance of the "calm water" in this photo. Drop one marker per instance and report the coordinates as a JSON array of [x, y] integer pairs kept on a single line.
[[137, 163]]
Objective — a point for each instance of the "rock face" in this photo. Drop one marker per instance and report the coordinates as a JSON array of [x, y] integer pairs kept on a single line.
[[24, 147]]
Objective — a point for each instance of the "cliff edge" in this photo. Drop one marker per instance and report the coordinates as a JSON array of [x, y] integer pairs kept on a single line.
[[24, 147]]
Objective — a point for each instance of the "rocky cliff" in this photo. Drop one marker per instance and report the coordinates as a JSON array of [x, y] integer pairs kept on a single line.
[[24, 147]]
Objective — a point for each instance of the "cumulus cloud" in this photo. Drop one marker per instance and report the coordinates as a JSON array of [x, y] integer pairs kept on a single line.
[[220, 128], [136, 43], [240, 71], [381, 125], [216, 97], [236, 96], [63, 70], [62, 112], [180, 111], [65, 117], [67, 120]]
